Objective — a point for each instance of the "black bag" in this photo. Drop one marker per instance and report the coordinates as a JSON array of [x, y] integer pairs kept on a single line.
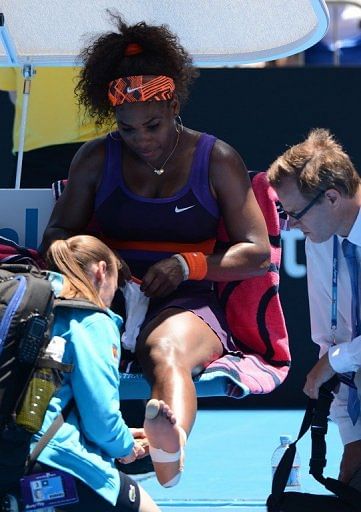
[[345, 498], [27, 307]]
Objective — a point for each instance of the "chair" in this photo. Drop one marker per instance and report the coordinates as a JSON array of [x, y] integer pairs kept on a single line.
[[254, 314]]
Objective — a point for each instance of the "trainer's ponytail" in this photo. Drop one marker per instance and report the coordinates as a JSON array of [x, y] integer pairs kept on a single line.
[[73, 258]]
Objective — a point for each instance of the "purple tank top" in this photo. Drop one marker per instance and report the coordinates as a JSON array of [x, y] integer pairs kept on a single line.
[[152, 229]]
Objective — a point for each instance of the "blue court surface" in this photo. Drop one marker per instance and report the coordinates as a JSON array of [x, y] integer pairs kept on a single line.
[[228, 461]]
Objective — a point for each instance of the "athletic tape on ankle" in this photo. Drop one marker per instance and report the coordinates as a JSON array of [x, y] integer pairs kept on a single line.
[[197, 264], [173, 481], [159, 455]]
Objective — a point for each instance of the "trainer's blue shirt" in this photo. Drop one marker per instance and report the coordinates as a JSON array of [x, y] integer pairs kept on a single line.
[[94, 433]]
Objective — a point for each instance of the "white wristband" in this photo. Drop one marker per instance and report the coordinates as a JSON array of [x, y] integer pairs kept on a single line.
[[183, 264]]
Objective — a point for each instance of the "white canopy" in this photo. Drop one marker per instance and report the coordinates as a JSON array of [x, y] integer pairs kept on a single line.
[[215, 32]]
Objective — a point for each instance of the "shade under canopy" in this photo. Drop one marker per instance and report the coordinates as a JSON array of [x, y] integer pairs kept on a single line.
[[215, 32]]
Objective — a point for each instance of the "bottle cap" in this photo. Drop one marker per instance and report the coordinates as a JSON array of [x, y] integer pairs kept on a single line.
[[285, 439], [55, 348]]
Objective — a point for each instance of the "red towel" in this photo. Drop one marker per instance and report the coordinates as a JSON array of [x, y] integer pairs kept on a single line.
[[254, 313]]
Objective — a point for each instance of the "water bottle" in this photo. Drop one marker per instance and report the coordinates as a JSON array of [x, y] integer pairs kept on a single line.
[[9, 503], [293, 483], [40, 389]]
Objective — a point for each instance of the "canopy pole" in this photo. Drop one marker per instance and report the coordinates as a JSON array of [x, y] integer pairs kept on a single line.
[[28, 72], [8, 43]]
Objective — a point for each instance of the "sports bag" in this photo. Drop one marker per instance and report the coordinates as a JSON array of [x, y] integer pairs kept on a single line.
[[26, 309], [345, 498], [11, 252]]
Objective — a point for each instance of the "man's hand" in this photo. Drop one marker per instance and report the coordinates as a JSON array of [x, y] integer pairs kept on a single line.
[[320, 373], [351, 461]]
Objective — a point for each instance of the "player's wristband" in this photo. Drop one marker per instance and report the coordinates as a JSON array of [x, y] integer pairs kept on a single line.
[[183, 264], [197, 265]]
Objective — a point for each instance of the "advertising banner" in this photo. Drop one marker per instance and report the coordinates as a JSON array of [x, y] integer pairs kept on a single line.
[[24, 214]]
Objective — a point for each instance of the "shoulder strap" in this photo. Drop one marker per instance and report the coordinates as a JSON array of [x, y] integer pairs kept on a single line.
[[284, 467], [319, 427], [45, 438], [318, 456], [316, 415], [60, 419], [78, 303]]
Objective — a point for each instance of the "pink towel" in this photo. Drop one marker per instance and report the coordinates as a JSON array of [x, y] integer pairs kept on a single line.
[[254, 313]]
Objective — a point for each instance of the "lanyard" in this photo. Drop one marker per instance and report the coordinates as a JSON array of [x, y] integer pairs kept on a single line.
[[334, 287], [346, 378]]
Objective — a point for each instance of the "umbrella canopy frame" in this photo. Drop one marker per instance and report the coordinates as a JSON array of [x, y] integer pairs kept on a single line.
[[265, 30]]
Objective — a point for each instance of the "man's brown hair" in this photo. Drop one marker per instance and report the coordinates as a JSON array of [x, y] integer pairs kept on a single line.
[[318, 163]]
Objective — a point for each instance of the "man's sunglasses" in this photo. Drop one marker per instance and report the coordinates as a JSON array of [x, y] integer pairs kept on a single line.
[[300, 214]]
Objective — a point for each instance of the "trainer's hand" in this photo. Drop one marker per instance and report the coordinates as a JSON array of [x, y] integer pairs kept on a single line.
[[139, 435], [351, 461], [162, 278], [320, 373], [138, 452]]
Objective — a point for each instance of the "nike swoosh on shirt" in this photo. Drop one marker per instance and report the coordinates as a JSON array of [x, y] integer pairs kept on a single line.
[[179, 210], [130, 90]]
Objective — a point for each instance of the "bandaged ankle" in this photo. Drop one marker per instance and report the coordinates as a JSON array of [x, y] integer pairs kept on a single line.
[[173, 481], [159, 455]]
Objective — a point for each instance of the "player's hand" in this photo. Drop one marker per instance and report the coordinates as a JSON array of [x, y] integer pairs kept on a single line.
[[124, 273], [162, 278]]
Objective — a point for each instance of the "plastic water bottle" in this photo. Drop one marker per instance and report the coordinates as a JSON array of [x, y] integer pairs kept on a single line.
[[9, 503], [40, 389], [294, 482]]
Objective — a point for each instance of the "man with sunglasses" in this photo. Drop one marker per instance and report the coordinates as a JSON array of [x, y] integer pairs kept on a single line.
[[320, 191]]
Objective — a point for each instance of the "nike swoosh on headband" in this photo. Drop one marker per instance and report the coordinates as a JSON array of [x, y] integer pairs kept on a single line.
[[130, 90], [179, 210]]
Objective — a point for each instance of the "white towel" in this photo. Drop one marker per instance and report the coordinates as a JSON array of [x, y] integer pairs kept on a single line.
[[136, 306]]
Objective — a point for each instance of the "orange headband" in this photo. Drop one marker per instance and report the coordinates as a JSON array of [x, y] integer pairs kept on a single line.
[[131, 89], [132, 49]]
